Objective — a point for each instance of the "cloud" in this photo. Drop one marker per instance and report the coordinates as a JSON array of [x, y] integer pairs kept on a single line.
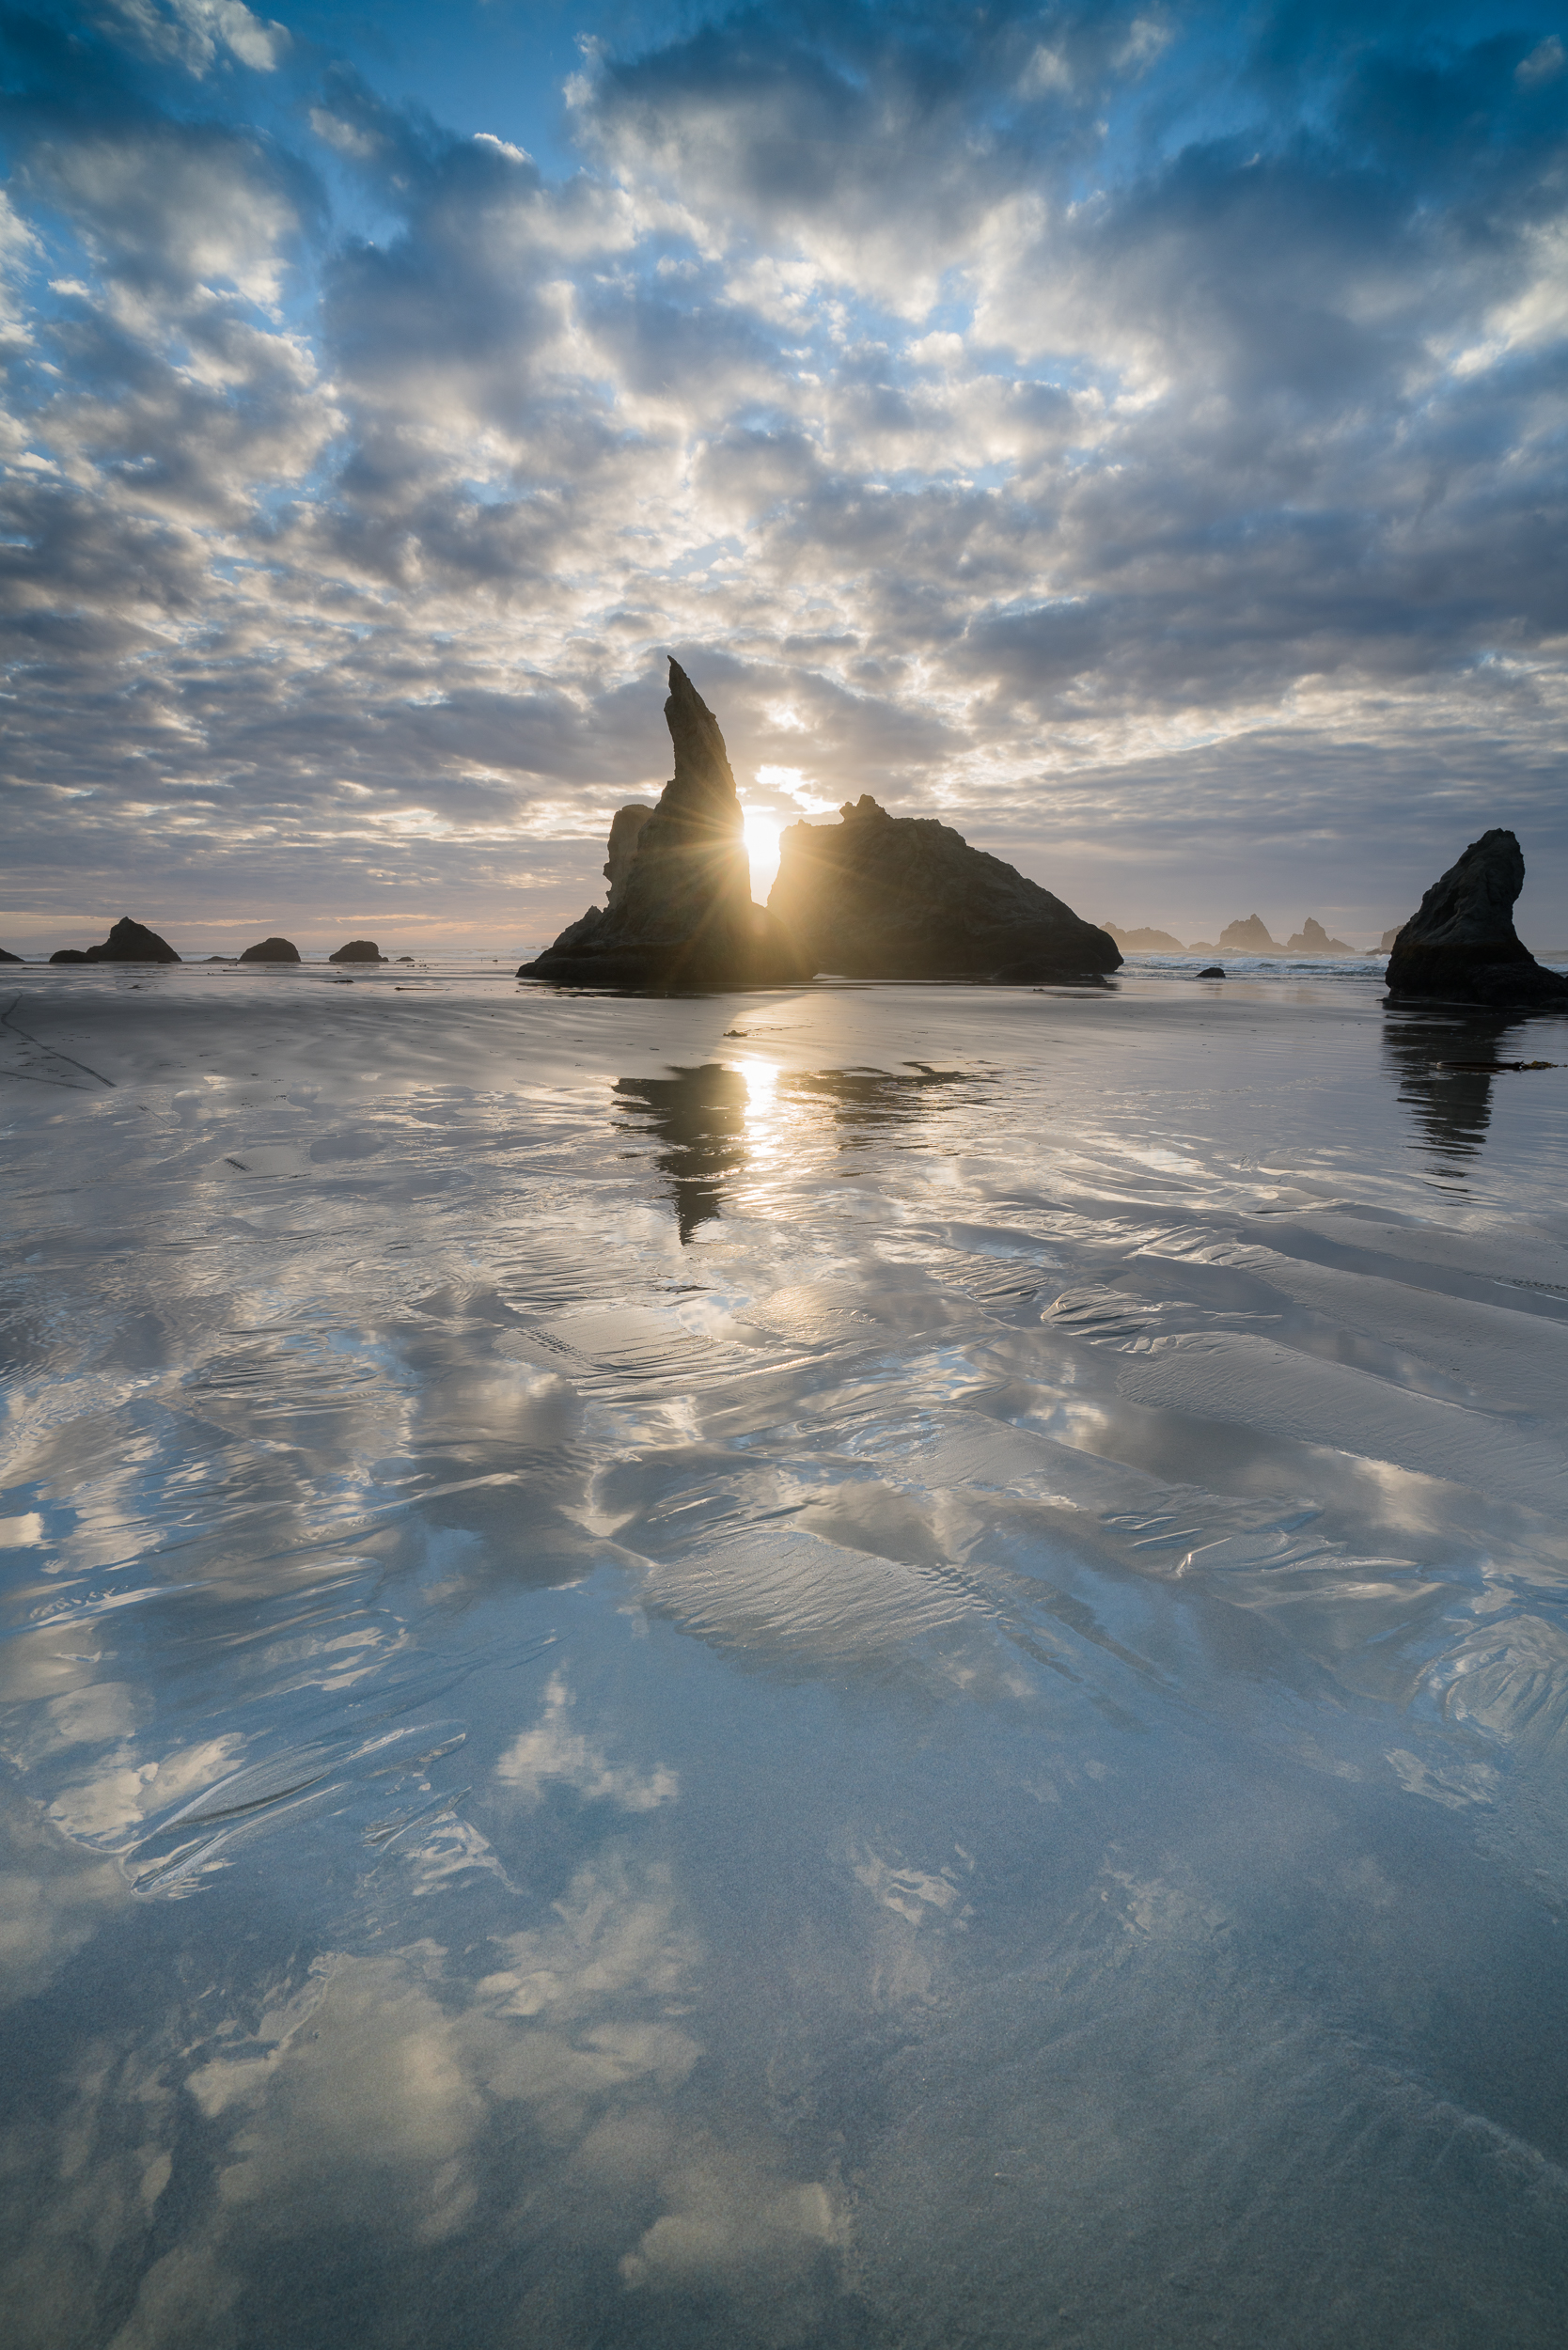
[[977, 407], [195, 32]]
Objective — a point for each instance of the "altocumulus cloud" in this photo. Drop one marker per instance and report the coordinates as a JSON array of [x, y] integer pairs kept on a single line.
[[1133, 432]]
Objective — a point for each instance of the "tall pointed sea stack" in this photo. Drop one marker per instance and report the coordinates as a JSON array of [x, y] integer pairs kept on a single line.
[[1460, 946], [681, 913]]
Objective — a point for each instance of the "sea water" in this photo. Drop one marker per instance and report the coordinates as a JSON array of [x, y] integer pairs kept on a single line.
[[842, 1667]]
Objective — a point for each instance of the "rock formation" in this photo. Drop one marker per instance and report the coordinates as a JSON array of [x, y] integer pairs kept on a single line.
[[1461, 947], [680, 912], [1249, 937], [128, 942], [1389, 937], [626, 828], [8, 957], [359, 950], [883, 897], [277, 951], [1312, 939], [1144, 942]]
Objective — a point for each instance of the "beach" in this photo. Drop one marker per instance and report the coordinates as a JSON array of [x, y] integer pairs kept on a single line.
[[844, 1665]]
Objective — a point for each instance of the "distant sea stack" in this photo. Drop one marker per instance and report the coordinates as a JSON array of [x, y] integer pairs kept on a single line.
[[279, 951], [1460, 946], [1312, 939], [358, 950], [679, 911], [128, 942], [880, 897], [1144, 942], [1249, 937]]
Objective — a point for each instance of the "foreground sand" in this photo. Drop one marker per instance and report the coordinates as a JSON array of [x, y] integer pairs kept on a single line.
[[848, 1665]]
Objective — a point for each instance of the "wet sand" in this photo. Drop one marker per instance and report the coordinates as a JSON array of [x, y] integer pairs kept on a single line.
[[843, 1666]]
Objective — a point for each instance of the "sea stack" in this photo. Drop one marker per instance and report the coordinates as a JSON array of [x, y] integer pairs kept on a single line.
[[1249, 937], [128, 942], [1144, 941], [1312, 939], [272, 950], [680, 912], [358, 950], [1460, 946], [882, 897]]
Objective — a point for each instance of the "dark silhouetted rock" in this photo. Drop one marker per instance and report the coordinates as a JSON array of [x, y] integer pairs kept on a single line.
[[1144, 942], [128, 942], [882, 897], [359, 950], [1249, 937], [679, 911], [1461, 947], [626, 830], [1312, 939], [8, 957], [1211, 971], [272, 951]]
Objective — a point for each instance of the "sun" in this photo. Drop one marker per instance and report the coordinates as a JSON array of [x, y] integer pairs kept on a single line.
[[762, 828]]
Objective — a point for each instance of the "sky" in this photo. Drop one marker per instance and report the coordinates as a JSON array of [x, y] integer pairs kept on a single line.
[[1133, 434]]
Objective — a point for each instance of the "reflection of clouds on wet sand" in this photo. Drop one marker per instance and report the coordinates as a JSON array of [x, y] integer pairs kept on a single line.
[[751, 1773], [422, 2117], [553, 1750]]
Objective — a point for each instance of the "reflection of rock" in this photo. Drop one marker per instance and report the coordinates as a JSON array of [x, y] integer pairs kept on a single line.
[[1249, 937], [1460, 946], [863, 1101], [1453, 1107], [1312, 939], [1144, 942], [700, 1114], [883, 897], [128, 942], [680, 912], [359, 950], [273, 950]]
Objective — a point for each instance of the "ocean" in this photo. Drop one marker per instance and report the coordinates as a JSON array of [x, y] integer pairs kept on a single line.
[[874, 1667]]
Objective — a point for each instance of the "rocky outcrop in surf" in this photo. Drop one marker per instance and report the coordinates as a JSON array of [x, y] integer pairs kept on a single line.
[[272, 951], [679, 911], [358, 950], [128, 942], [1143, 942], [1461, 947], [6, 957], [882, 897], [1249, 937], [1312, 939]]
